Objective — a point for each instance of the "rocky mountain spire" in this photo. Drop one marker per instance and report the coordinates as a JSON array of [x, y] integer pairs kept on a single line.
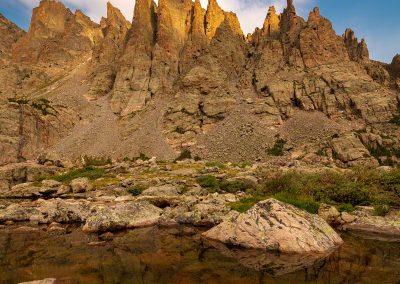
[[271, 23], [56, 35], [214, 17], [289, 19], [357, 51], [131, 89], [198, 26], [105, 52], [319, 43]]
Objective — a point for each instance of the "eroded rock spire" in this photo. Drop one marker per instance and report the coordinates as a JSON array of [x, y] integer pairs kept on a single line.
[[214, 18], [271, 23]]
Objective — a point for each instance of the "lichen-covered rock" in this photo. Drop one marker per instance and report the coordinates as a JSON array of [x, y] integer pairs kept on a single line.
[[122, 216], [276, 226], [329, 213], [80, 185]]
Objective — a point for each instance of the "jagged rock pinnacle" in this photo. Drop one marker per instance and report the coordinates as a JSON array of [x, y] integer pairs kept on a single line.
[[214, 17], [357, 51], [271, 23]]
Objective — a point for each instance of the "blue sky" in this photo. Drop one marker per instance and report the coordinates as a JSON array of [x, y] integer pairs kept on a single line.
[[376, 21]]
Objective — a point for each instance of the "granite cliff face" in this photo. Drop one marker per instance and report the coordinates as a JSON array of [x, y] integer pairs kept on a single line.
[[180, 76], [10, 34]]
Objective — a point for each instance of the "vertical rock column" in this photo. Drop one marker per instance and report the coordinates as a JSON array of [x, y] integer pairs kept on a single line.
[[131, 88], [106, 51]]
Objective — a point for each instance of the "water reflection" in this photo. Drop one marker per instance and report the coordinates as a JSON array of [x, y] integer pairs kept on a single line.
[[180, 255]]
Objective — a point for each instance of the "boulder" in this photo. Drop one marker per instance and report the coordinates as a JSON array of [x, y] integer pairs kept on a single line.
[[23, 190], [365, 223], [275, 226], [210, 210], [51, 183], [329, 213], [80, 185], [122, 216], [349, 149]]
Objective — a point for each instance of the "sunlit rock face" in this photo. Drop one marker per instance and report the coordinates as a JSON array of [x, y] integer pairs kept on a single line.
[[181, 76], [56, 35]]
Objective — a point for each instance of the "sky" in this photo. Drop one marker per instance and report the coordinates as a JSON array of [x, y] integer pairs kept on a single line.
[[376, 21]]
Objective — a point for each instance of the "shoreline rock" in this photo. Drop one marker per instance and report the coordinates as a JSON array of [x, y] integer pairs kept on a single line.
[[275, 226]]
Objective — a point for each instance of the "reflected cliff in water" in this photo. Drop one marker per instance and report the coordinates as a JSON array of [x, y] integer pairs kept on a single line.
[[180, 255]]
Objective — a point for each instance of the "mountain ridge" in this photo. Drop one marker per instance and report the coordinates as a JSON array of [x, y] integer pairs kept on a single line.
[[183, 77]]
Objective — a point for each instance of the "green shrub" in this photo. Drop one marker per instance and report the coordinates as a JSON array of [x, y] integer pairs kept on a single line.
[[236, 186], [197, 158], [209, 182], [180, 130], [22, 101], [136, 190], [246, 203], [345, 207], [381, 210], [395, 120], [44, 106], [142, 157], [306, 204], [350, 194], [90, 172], [277, 149], [185, 155]]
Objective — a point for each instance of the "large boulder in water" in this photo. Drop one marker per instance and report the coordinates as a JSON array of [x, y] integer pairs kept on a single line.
[[276, 226], [122, 216]]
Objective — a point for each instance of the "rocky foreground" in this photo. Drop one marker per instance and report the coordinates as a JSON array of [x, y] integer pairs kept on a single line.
[[149, 193], [182, 77]]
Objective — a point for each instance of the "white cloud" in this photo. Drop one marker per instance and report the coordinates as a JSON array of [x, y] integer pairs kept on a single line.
[[251, 13]]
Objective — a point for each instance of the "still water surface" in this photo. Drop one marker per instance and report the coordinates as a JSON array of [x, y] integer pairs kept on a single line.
[[179, 255]]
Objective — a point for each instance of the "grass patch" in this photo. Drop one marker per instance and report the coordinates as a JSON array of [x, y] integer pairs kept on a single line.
[[246, 203], [212, 184], [219, 165], [104, 182], [209, 182], [307, 204], [90, 172], [345, 207], [236, 186], [351, 188], [242, 165], [381, 210]]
